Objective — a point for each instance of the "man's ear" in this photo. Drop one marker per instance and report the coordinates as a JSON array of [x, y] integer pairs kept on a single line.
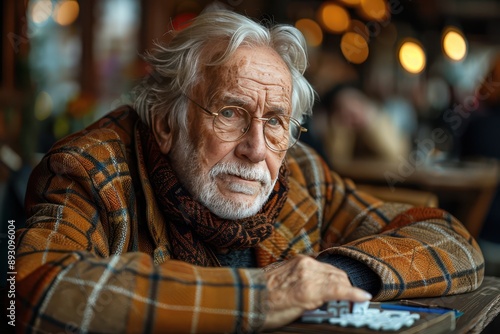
[[163, 133]]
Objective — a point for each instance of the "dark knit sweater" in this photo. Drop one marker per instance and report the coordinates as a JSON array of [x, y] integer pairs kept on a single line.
[[360, 275]]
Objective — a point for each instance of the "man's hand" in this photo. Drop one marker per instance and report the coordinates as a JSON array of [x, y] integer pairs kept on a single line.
[[305, 284]]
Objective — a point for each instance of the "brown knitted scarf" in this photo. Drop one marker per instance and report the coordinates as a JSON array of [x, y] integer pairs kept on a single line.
[[194, 232]]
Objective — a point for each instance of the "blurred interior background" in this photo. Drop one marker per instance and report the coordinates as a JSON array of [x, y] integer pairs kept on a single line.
[[408, 90]]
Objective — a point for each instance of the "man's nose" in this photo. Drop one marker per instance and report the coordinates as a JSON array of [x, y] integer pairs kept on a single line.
[[252, 146]]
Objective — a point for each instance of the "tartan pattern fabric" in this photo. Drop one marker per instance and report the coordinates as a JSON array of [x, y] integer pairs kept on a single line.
[[96, 257]]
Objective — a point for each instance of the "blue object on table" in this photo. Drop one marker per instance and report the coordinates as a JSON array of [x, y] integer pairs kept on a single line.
[[419, 308]]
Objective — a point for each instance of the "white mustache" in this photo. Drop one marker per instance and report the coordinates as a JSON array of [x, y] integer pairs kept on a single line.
[[245, 172]]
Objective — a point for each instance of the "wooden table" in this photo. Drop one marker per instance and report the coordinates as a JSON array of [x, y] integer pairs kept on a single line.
[[480, 307]]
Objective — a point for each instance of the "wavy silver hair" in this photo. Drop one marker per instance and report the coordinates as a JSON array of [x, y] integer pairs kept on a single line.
[[176, 67]]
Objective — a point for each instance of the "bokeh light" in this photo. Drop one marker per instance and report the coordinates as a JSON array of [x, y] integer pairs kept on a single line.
[[311, 30], [454, 44], [333, 17], [354, 47], [374, 9], [43, 106], [61, 127], [66, 12], [412, 56], [41, 11]]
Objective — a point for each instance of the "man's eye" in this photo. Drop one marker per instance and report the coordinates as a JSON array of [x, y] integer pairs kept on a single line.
[[274, 121], [228, 113]]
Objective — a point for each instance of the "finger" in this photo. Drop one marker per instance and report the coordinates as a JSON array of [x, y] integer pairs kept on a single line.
[[337, 285], [339, 292]]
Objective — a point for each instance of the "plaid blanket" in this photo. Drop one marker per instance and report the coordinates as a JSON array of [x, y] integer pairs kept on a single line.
[[95, 256]]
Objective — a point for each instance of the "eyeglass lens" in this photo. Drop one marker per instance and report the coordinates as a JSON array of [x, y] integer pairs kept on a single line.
[[280, 132]]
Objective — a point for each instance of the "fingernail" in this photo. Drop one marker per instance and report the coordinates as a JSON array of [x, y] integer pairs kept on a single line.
[[368, 295]]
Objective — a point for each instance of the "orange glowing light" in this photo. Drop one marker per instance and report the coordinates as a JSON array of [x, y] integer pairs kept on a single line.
[[66, 12], [311, 30], [454, 44], [412, 56], [354, 47], [374, 9], [334, 18]]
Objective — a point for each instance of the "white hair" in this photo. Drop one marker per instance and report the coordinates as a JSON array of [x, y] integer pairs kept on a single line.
[[177, 66]]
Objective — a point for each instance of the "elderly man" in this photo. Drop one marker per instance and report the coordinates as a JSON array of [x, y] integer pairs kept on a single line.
[[197, 209]]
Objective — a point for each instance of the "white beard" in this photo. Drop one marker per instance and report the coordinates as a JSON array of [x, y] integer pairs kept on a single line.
[[185, 162]]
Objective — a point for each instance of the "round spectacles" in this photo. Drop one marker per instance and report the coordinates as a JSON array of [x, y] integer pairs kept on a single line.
[[231, 123]]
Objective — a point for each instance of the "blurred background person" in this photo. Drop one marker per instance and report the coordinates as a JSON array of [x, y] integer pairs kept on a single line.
[[480, 140], [356, 127]]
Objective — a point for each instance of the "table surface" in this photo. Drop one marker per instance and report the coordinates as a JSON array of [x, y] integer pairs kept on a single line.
[[480, 307]]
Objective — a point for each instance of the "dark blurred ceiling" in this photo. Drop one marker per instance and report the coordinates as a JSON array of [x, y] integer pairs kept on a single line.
[[479, 19]]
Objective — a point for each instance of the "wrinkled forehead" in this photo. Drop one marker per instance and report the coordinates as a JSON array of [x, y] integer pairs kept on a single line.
[[250, 71]]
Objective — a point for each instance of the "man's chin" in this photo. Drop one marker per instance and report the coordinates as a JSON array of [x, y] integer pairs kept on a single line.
[[235, 205], [234, 186], [241, 201], [235, 200], [240, 196]]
